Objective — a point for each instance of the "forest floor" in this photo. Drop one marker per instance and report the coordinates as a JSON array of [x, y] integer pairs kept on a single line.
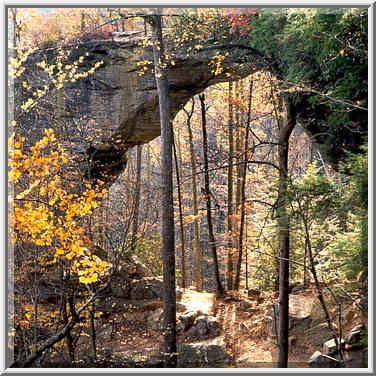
[[247, 330], [125, 336]]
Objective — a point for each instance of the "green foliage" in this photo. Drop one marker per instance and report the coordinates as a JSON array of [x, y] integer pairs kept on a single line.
[[336, 231], [358, 167], [149, 251], [364, 340], [323, 49], [314, 45], [357, 164]]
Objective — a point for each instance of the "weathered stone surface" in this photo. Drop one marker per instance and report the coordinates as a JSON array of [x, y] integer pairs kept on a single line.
[[254, 293], [330, 348], [204, 327], [122, 104], [118, 107], [120, 287], [359, 327], [244, 306], [146, 288], [319, 334], [300, 308], [155, 319], [131, 269], [319, 360], [201, 355], [187, 319], [352, 337]]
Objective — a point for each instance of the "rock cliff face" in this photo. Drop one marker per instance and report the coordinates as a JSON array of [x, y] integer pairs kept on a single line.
[[116, 108]]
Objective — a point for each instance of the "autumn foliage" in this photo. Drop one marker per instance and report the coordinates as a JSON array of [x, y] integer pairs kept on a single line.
[[45, 212], [240, 19]]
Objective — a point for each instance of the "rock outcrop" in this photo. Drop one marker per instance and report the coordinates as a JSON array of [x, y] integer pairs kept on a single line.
[[202, 355], [115, 108]]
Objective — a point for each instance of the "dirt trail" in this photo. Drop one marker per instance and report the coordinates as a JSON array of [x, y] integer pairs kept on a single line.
[[248, 348]]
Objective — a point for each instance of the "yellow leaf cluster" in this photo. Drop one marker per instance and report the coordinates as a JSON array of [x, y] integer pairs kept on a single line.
[[45, 213]]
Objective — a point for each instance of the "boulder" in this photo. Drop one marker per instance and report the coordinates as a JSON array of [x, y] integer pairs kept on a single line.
[[253, 293], [204, 327], [187, 319], [319, 334], [296, 288], [300, 309], [319, 360], [352, 337], [146, 288], [120, 287], [330, 348], [359, 327], [132, 269], [155, 319], [200, 355], [244, 306]]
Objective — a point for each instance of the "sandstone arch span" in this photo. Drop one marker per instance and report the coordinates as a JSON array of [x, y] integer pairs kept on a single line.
[[124, 104], [117, 107]]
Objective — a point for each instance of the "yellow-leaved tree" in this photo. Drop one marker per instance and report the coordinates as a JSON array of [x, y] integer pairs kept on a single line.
[[45, 212]]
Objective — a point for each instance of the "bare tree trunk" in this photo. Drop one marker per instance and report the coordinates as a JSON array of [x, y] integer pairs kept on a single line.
[[284, 231], [239, 169], [196, 243], [213, 247], [92, 331], [243, 177], [320, 294], [246, 254], [137, 197], [181, 215], [168, 235], [230, 190]]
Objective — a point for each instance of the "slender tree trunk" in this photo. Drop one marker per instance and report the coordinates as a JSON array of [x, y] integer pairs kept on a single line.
[[147, 184], [69, 335], [230, 190], [137, 198], [246, 253], [243, 177], [168, 234], [239, 168], [320, 294], [83, 21], [284, 232], [219, 288], [181, 215], [92, 331], [196, 242]]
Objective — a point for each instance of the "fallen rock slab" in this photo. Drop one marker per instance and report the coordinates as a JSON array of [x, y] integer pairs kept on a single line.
[[319, 360], [330, 348], [200, 355]]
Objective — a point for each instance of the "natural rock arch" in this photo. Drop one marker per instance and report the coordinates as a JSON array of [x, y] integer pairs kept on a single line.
[[124, 103], [119, 106]]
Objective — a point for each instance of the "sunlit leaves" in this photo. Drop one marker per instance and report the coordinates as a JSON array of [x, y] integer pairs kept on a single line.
[[45, 213], [216, 63]]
